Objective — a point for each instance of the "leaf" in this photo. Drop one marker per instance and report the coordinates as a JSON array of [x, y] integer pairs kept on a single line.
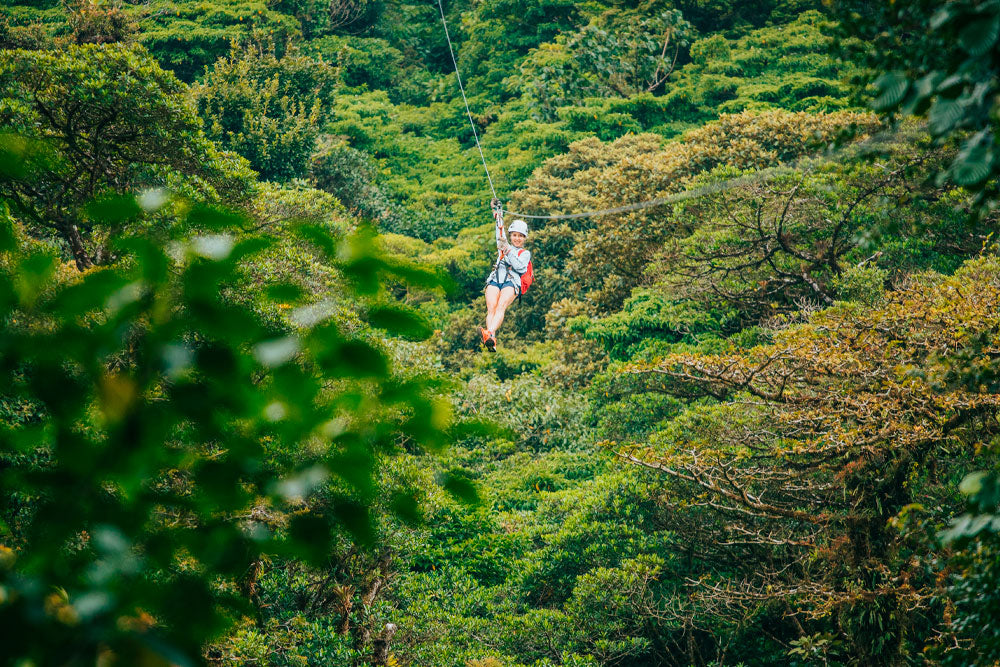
[[284, 292], [319, 237], [34, 273], [249, 247], [89, 294], [407, 507], [219, 482], [920, 94], [153, 263], [974, 162], [979, 35], [12, 156], [943, 16], [400, 322], [311, 538], [892, 87], [973, 483], [8, 240], [460, 487], [212, 246], [356, 518], [114, 209], [418, 276], [276, 352], [211, 218], [944, 115], [471, 428], [362, 360]]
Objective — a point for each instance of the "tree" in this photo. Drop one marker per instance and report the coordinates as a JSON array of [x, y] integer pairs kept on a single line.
[[187, 36], [113, 122], [770, 246], [810, 452], [320, 17], [725, 15], [158, 440], [505, 31], [622, 59], [973, 540], [350, 175], [608, 256], [267, 109], [15, 36], [91, 23]]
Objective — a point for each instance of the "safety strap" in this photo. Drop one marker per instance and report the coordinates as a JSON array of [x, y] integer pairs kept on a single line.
[[497, 207]]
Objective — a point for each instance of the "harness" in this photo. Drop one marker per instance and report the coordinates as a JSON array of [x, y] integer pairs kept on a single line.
[[501, 258]]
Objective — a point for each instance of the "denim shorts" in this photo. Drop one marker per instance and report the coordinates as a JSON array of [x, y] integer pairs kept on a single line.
[[507, 283]]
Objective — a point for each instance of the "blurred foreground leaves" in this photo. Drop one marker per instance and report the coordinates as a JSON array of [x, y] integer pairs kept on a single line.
[[158, 439]]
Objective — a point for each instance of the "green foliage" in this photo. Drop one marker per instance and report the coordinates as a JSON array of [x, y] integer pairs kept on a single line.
[[786, 66], [726, 17], [113, 122], [352, 176], [372, 63], [608, 258], [938, 61], [976, 571], [267, 109], [187, 36], [865, 284], [14, 36], [322, 16], [184, 35], [808, 395], [504, 32], [92, 23], [689, 338], [173, 433], [622, 59], [542, 418], [645, 316]]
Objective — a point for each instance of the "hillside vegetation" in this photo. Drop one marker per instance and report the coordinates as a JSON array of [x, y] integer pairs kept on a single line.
[[246, 418]]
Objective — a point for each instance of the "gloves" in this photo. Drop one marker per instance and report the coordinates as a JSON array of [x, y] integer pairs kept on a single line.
[[503, 246]]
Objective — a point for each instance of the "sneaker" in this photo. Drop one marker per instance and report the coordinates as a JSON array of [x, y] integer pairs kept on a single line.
[[491, 342], [484, 334]]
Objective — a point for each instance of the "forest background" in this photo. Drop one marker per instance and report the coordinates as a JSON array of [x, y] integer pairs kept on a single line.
[[246, 419]]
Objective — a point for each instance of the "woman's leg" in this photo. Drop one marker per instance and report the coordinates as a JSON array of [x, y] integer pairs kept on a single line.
[[492, 297], [507, 297]]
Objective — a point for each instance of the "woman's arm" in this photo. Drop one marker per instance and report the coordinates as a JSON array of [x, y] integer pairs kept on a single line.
[[518, 259]]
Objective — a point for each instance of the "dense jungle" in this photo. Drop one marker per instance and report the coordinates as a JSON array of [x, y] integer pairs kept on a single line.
[[246, 413]]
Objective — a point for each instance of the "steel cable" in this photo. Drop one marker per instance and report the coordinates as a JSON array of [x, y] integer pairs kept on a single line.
[[458, 75]]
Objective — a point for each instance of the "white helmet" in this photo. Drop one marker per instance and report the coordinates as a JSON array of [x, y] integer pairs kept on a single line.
[[519, 226]]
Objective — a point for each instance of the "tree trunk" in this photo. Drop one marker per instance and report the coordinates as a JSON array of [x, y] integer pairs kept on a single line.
[[380, 646], [72, 236]]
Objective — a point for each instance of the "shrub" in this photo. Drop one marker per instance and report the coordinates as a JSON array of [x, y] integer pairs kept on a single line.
[[266, 108]]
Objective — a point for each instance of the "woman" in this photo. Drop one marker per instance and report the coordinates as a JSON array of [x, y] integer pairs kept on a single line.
[[504, 282]]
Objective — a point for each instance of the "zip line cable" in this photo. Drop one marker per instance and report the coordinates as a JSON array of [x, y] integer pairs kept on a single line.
[[808, 162], [458, 75], [761, 175], [660, 201]]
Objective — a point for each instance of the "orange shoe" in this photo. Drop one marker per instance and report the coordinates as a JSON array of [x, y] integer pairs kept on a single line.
[[484, 334], [491, 342]]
